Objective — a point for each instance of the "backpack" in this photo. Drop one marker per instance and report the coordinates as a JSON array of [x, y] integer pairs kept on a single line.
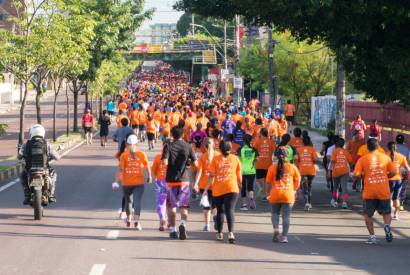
[[36, 154]]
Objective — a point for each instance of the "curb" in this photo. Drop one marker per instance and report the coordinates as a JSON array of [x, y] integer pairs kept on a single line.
[[15, 170]]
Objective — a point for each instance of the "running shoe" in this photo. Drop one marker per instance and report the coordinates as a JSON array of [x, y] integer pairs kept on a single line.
[[162, 225], [252, 204], [284, 239], [206, 228], [264, 199], [344, 205], [128, 224], [372, 239], [308, 206], [173, 235], [182, 232], [220, 236], [231, 238], [401, 208], [389, 234], [123, 216], [138, 226], [333, 203], [244, 208], [275, 238]]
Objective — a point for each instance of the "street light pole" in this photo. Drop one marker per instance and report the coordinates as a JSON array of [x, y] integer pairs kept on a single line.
[[225, 47]]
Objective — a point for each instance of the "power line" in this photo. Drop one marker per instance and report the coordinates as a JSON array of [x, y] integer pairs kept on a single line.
[[293, 52]]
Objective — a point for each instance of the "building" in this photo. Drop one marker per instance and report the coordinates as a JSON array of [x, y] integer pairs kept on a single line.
[[161, 33], [7, 10]]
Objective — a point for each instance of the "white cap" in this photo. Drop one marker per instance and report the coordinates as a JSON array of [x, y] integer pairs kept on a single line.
[[132, 139]]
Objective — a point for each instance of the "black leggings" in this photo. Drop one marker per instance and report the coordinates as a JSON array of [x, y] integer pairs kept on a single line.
[[307, 188], [225, 204], [248, 182]]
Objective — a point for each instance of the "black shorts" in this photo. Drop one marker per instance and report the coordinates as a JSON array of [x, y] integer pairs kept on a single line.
[[248, 181], [210, 199], [111, 113], [141, 127], [150, 136], [290, 118], [383, 207], [134, 127], [261, 173], [87, 130]]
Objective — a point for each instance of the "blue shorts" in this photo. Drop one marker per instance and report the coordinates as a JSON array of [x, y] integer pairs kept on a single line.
[[395, 188], [141, 127]]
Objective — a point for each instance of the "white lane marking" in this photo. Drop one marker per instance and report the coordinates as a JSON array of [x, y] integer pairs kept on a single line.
[[8, 185], [113, 234], [299, 240], [97, 269]]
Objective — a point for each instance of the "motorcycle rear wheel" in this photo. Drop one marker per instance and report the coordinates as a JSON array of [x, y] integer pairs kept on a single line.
[[38, 209]]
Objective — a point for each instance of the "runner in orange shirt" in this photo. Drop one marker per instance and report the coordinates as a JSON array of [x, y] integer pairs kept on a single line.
[[159, 170], [132, 164], [200, 180], [307, 157], [296, 141], [399, 162], [142, 120], [283, 126], [120, 116], [225, 175], [151, 129], [265, 148], [282, 182], [290, 112], [376, 168], [339, 169]]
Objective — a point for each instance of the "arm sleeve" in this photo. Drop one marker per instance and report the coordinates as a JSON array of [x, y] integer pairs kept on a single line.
[[296, 178], [51, 153], [358, 168], [20, 154], [165, 152]]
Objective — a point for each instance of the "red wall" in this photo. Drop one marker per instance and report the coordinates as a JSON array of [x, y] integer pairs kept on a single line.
[[389, 116]]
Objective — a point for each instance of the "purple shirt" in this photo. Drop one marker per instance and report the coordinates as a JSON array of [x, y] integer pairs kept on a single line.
[[200, 134], [228, 126]]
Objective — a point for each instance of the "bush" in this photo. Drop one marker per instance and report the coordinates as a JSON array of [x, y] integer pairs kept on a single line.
[[331, 127], [3, 128]]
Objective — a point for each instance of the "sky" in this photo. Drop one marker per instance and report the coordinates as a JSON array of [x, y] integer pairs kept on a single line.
[[164, 14]]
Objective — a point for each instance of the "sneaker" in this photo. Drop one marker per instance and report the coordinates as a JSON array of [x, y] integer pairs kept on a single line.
[[231, 238], [264, 199], [308, 206], [372, 239], [333, 203], [389, 234], [244, 208], [401, 208], [173, 235], [162, 226], [252, 204], [275, 238], [284, 239], [138, 226], [206, 228], [220, 236], [182, 232], [123, 216], [128, 224], [52, 199], [344, 205]]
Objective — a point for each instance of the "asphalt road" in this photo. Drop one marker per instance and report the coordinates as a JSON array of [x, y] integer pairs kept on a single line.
[[81, 234]]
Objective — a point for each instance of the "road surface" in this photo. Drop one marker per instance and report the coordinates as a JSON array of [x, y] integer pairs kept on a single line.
[[81, 234]]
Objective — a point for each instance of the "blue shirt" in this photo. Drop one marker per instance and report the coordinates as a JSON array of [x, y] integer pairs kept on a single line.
[[111, 106], [228, 126], [238, 136]]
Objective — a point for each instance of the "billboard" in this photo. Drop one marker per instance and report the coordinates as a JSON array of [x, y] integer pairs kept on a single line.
[[323, 111]]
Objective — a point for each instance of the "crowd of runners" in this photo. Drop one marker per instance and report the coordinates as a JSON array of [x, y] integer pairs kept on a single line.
[[222, 152]]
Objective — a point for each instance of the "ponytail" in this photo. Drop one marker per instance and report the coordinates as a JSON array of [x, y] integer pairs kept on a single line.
[[226, 147], [392, 148], [280, 169], [209, 145]]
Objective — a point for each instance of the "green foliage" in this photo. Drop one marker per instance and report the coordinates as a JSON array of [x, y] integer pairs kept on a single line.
[[213, 25], [303, 70], [369, 37], [199, 36], [3, 128]]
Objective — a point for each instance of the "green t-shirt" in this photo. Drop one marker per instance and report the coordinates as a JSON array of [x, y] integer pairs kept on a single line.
[[291, 153], [247, 155]]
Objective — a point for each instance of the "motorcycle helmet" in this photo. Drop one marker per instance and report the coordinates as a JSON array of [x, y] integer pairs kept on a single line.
[[37, 130]]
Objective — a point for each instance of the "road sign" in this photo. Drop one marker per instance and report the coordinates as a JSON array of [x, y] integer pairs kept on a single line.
[[238, 83]]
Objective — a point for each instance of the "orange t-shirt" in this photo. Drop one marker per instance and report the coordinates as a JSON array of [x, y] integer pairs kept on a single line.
[[399, 161], [166, 129], [341, 159], [151, 127], [273, 128], [353, 147], [142, 117], [265, 148], [296, 142], [159, 169], [289, 109], [204, 121], [122, 106], [375, 166], [283, 127], [133, 117], [306, 160], [119, 118], [227, 172], [203, 164], [283, 191], [132, 168]]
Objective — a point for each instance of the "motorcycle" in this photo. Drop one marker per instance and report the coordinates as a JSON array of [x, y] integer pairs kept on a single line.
[[39, 182]]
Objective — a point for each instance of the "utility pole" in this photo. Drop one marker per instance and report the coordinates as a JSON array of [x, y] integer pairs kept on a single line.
[[225, 47], [193, 24], [238, 91], [272, 80], [340, 101]]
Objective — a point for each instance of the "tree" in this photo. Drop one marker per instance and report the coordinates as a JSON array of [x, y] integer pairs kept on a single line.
[[370, 38], [213, 25], [18, 48]]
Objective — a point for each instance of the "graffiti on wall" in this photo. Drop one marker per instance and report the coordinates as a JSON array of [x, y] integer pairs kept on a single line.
[[323, 111]]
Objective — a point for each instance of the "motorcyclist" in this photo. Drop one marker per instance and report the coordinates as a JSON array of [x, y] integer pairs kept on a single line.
[[37, 153]]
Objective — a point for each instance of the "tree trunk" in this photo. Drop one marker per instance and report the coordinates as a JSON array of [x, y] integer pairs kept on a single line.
[[54, 114], [101, 106], [67, 111], [340, 101], [75, 93], [22, 107], [38, 108]]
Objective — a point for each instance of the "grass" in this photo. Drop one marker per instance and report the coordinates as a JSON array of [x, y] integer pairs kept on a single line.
[[65, 138], [4, 168]]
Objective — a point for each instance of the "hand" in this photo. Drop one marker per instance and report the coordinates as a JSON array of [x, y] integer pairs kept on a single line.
[[196, 188], [149, 179]]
